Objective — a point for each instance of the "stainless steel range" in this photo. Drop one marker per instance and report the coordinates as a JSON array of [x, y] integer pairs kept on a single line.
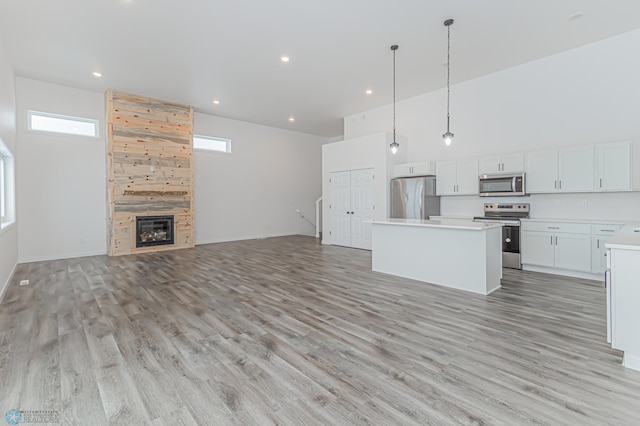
[[509, 214]]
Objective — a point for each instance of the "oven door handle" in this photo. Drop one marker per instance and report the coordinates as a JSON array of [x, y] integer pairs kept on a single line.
[[513, 184]]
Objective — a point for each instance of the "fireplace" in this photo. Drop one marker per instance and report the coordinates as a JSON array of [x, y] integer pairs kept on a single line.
[[154, 230]]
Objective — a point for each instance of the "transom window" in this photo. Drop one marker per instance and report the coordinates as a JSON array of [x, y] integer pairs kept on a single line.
[[210, 143], [55, 123]]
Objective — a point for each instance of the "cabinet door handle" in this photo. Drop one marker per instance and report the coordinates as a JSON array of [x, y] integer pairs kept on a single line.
[[598, 243], [555, 184], [556, 240], [560, 184], [600, 182], [552, 240], [553, 227]]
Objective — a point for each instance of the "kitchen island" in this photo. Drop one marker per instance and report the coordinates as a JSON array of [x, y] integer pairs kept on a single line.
[[460, 254], [623, 294]]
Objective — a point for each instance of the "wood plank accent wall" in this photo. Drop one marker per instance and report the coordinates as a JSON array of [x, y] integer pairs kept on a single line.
[[150, 166]]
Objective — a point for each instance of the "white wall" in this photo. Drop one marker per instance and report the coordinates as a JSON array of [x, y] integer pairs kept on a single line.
[[61, 179], [254, 191], [9, 235], [586, 95]]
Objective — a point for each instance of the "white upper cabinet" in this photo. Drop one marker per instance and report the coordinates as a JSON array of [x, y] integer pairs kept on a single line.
[[446, 177], [415, 169], [560, 170], [541, 168], [457, 177], [613, 166], [468, 177], [575, 169], [507, 163]]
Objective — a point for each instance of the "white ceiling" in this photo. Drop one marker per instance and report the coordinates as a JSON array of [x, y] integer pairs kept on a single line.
[[194, 51]]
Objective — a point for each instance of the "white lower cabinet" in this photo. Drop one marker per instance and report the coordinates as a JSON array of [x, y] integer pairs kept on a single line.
[[556, 245], [601, 234], [351, 207]]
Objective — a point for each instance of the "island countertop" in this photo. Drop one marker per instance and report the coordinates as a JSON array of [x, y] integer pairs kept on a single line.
[[628, 238], [440, 223]]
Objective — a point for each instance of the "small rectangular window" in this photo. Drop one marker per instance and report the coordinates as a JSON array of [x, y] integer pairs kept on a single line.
[[209, 143], [46, 122]]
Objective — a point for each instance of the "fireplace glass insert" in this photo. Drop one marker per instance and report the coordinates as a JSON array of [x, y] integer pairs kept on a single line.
[[154, 230]]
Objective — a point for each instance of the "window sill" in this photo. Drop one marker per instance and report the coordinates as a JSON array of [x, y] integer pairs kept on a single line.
[[6, 225]]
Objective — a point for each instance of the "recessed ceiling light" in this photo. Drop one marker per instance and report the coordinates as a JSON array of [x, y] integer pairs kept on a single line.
[[96, 74], [576, 15], [369, 91], [285, 59], [215, 101], [291, 119]]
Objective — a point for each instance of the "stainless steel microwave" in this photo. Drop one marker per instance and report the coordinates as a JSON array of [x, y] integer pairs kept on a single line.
[[500, 185]]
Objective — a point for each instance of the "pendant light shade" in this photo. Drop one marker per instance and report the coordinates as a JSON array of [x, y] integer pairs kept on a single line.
[[448, 136], [394, 145]]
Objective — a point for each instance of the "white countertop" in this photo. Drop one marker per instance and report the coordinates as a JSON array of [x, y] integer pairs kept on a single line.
[[440, 223], [593, 221], [627, 238]]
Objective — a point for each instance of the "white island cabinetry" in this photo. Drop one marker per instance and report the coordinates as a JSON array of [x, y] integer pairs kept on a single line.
[[623, 294], [461, 254]]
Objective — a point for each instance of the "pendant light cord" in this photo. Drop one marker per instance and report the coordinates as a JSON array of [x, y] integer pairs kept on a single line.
[[394, 48], [448, 72]]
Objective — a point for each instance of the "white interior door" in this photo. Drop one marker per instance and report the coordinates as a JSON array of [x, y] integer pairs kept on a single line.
[[340, 209], [362, 208]]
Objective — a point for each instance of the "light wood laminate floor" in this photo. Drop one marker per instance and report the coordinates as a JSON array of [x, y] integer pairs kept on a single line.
[[287, 331]]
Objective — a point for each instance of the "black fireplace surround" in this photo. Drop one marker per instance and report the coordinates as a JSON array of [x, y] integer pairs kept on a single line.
[[154, 230]]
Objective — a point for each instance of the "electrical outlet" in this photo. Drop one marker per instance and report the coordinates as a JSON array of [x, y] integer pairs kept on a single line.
[[584, 203], [24, 282], [557, 202]]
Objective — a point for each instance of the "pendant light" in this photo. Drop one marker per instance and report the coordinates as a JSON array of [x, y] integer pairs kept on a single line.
[[394, 145], [448, 137]]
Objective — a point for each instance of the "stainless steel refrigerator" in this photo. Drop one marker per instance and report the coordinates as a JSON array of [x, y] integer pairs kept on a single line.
[[414, 197]]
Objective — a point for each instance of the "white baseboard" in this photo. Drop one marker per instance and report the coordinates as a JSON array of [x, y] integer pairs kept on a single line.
[[244, 238], [631, 361], [565, 273], [60, 256], [6, 284]]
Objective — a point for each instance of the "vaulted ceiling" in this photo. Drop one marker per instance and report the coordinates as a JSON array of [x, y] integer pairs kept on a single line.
[[195, 51]]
